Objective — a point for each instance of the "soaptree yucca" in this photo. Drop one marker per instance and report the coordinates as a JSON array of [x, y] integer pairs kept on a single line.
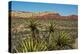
[[64, 41], [33, 27], [51, 31], [28, 45]]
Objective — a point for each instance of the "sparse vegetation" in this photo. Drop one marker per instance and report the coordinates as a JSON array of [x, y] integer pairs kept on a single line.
[[42, 35]]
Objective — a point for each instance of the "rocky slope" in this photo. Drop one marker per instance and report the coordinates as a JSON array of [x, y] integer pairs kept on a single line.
[[45, 15]]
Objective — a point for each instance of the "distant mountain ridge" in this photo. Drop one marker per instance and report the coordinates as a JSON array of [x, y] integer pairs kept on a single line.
[[52, 15]]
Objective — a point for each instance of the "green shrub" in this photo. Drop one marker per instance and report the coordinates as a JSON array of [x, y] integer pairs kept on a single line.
[[64, 41], [28, 45], [56, 40]]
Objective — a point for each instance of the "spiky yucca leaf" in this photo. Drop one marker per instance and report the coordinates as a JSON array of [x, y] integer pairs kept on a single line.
[[28, 45], [64, 40]]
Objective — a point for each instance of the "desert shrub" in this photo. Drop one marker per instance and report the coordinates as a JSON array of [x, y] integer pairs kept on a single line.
[[64, 41], [49, 39], [30, 45]]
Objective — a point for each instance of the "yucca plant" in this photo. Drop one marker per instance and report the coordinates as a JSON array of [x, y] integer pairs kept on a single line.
[[33, 27], [51, 43], [51, 27], [64, 41], [28, 45]]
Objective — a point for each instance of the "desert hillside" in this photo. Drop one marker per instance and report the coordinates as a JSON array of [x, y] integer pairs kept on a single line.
[[21, 14]]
